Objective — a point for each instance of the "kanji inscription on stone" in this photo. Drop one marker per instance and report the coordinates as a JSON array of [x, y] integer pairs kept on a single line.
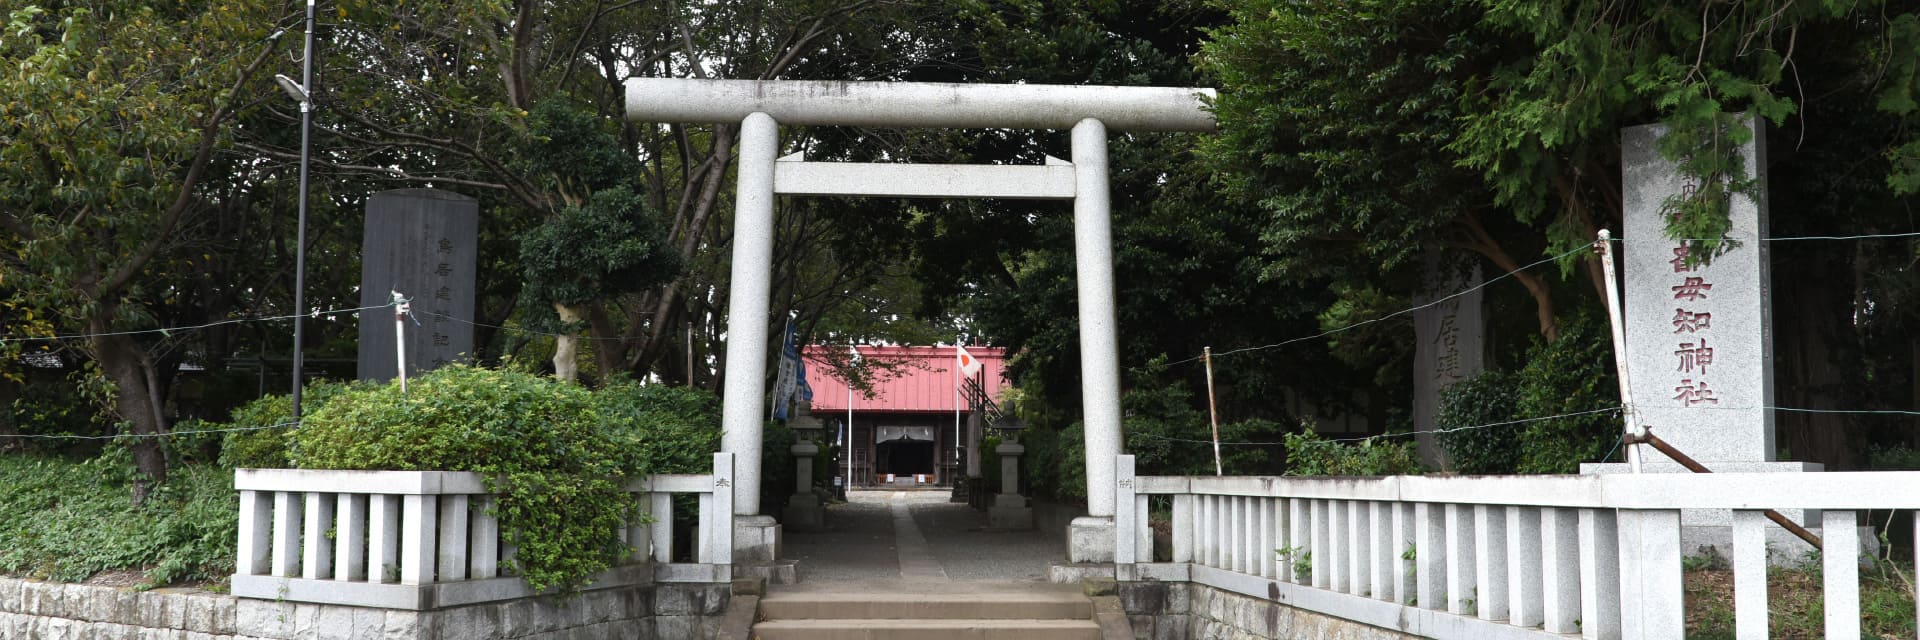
[[1698, 347], [424, 244]]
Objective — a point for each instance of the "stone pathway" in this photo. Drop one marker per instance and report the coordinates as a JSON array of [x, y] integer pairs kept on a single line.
[[918, 537], [916, 560]]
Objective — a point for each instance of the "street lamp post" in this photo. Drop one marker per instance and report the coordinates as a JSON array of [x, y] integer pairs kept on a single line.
[[303, 92]]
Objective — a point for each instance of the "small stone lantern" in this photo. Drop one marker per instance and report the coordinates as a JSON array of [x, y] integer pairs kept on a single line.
[[803, 512], [1010, 510]]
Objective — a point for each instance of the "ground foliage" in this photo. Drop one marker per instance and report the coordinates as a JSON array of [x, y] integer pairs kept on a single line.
[[1795, 605], [68, 521], [555, 454], [1311, 454]]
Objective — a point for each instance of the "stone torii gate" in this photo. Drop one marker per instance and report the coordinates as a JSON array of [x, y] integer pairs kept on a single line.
[[760, 106]]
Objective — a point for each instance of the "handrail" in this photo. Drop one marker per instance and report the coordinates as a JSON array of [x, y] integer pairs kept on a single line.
[[1497, 556]]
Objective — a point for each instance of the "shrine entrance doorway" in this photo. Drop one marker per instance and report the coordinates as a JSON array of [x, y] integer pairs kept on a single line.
[[904, 455]]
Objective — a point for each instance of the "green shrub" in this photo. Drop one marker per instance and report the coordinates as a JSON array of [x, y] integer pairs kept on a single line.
[[265, 447], [1069, 463], [1309, 454], [1054, 465], [990, 461], [557, 473], [1894, 458], [1574, 374], [1168, 436], [776, 466], [67, 521], [659, 428], [1483, 399], [193, 442]]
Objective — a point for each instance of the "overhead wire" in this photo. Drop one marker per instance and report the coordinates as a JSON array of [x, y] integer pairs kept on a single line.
[[169, 331], [167, 434]]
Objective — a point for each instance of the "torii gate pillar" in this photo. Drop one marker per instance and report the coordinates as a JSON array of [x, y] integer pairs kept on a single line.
[[761, 106]]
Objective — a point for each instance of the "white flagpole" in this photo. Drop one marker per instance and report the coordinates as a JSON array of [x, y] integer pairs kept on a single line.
[[853, 355], [956, 411]]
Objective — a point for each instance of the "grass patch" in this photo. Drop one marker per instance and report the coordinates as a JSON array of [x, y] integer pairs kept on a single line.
[[68, 521], [1795, 605]]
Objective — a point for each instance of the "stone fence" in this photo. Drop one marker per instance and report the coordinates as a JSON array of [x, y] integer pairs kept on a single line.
[[414, 555], [423, 540], [1492, 557]]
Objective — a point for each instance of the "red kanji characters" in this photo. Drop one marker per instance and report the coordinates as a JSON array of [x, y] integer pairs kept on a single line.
[[1690, 394], [1685, 321], [1692, 357], [1693, 288], [1679, 261]]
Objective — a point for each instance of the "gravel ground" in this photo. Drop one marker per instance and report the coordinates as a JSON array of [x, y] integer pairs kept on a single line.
[[970, 553], [861, 544]]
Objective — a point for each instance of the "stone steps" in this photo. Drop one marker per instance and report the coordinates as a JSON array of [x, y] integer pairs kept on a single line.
[[1041, 613], [890, 629]]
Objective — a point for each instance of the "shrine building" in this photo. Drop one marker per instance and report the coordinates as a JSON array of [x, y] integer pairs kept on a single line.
[[904, 432]]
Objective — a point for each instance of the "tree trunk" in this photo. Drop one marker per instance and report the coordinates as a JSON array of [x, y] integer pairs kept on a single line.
[[120, 359], [1484, 244], [566, 362], [1806, 369], [9, 390]]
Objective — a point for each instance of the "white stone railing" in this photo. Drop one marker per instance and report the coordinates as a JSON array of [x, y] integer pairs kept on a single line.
[[427, 539], [1494, 556]]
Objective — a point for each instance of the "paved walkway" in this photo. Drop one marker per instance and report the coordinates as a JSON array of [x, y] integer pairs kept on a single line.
[[916, 537]]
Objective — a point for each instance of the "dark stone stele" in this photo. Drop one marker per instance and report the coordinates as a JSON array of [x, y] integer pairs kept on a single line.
[[423, 243]]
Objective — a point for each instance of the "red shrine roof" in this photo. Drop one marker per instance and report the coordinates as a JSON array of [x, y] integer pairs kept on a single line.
[[924, 383]]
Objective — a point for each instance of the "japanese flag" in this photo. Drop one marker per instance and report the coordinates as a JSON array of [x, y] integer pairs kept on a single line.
[[967, 363]]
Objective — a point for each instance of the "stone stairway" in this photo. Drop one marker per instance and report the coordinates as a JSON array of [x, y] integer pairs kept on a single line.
[[1028, 611]]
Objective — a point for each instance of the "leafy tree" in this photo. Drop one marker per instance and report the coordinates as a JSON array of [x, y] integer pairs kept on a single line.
[[1337, 120], [1370, 132], [604, 246], [443, 93], [115, 114], [1373, 130], [607, 241]]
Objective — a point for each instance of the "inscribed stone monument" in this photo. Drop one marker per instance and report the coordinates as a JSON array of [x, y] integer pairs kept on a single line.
[[1449, 345], [422, 243], [1699, 347], [1699, 350]]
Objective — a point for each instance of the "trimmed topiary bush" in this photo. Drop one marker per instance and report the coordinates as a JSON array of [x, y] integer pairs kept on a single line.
[[1572, 375]]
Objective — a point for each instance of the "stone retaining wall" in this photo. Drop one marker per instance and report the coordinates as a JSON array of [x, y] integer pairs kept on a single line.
[[54, 611], [1191, 611]]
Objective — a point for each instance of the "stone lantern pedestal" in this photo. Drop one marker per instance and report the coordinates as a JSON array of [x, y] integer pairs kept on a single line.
[[803, 512], [1010, 510]]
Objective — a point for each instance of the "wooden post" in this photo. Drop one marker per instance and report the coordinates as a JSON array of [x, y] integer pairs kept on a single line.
[[1213, 414]]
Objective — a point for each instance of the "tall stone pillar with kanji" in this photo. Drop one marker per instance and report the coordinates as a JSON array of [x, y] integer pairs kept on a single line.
[[423, 244], [1698, 333]]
